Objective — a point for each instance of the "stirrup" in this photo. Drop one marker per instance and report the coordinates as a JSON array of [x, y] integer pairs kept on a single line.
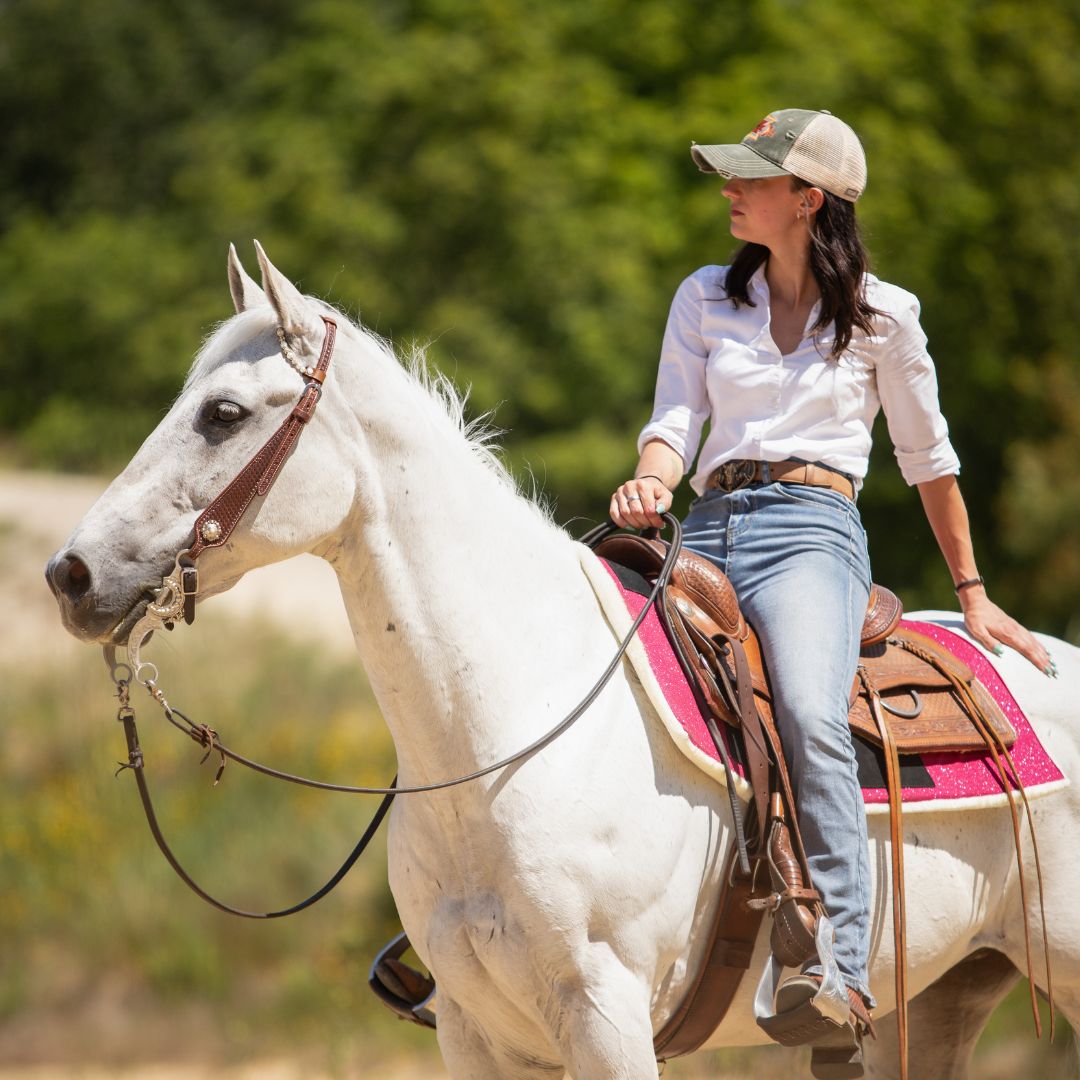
[[798, 1018], [402, 989], [836, 1048]]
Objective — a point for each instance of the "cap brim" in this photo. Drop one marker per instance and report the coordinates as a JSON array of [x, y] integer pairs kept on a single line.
[[734, 159]]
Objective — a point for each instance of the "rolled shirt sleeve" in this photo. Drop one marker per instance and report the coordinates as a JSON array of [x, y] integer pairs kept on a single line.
[[681, 405], [907, 386]]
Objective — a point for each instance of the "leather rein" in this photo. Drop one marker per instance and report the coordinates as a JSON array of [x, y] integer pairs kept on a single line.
[[176, 599]]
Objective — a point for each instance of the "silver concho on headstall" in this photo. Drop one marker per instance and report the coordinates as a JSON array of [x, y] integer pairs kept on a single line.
[[210, 531]]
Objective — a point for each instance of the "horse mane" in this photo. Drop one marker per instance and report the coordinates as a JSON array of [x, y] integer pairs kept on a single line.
[[437, 390]]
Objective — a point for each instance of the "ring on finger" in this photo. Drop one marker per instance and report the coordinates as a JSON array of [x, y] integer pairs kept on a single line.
[[633, 498]]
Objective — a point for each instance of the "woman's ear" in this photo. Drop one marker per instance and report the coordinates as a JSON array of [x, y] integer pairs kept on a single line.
[[813, 199]]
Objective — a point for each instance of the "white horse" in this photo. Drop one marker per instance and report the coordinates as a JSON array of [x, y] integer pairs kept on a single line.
[[560, 903]]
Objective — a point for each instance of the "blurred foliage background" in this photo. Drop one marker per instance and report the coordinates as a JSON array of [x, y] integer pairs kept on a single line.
[[507, 180]]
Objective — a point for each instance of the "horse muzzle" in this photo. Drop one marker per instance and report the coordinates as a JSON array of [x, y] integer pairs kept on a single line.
[[87, 611]]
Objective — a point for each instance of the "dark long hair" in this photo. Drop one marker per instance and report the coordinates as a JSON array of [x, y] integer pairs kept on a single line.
[[838, 261]]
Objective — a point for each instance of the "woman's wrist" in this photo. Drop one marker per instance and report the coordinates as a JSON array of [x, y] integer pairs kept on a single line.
[[653, 476], [971, 596], [965, 584]]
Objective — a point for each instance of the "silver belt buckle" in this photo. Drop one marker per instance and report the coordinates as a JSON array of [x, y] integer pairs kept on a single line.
[[735, 474]]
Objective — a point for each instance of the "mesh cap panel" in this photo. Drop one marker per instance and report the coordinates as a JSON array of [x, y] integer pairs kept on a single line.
[[828, 154]]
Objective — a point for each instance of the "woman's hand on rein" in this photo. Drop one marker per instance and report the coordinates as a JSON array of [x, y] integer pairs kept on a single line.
[[991, 627], [638, 504]]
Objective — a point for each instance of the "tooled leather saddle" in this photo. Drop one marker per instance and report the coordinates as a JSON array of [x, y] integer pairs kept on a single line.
[[916, 686], [909, 695]]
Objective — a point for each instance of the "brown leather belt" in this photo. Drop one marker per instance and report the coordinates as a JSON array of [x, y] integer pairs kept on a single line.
[[738, 473]]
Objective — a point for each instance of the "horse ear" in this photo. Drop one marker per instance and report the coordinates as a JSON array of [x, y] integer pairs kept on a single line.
[[245, 293], [294, 313]]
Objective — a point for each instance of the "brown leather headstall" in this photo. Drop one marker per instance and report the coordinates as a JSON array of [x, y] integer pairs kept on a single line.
[[216, 523]]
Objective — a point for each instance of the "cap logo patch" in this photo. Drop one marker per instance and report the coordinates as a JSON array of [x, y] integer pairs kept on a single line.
[[766, 128]]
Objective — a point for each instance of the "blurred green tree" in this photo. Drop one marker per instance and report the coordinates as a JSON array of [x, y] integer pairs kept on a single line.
[[508, 180]]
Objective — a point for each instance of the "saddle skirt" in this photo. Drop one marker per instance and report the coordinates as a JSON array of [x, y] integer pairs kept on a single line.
[[944, 764]]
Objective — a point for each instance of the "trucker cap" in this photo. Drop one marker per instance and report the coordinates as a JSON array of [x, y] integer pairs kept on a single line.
[[814, 146]]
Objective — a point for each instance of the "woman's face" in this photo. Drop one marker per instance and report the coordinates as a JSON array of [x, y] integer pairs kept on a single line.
[[766, 211]]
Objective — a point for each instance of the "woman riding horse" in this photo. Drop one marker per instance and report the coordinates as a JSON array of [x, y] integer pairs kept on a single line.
[[788, 353]]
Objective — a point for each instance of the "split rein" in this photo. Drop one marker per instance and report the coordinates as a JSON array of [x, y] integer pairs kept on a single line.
[[175, 599], [123, 675]]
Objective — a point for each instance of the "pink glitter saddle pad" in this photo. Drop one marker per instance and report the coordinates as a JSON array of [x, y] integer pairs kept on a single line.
[[931, 781]]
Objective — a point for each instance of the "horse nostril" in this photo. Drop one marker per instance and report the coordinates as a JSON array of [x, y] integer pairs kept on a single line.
[[70, 576]]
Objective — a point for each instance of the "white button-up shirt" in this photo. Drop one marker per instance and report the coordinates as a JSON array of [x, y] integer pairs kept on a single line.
[[719, 363]]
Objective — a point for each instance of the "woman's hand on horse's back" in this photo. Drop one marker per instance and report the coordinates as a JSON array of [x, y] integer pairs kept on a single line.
[[992, 627], [639, 504]]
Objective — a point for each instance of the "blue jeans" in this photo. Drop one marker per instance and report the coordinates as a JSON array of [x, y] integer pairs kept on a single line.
[[797, 558]]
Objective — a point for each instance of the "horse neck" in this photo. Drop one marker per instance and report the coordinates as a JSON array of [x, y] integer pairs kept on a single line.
[[462, 597]]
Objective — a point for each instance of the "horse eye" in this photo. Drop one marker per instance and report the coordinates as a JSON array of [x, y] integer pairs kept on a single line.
[[226, 412]]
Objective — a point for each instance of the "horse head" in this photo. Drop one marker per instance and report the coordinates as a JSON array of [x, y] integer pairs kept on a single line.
[[241, 386]]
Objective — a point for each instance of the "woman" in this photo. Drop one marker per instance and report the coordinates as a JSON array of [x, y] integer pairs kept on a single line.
[[788, 353]]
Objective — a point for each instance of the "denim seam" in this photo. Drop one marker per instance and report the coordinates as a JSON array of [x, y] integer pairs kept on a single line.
[[861, 978]]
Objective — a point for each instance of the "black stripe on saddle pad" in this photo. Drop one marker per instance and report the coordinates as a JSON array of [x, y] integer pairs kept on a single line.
[[871, 762], [870, 759], [630, 580]]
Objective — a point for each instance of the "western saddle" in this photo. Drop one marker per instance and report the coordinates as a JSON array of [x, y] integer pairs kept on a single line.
[[910, 695]]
